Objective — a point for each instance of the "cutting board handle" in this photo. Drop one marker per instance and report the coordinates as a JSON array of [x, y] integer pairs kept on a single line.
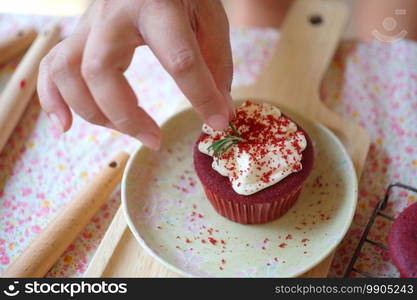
[[308, 40]]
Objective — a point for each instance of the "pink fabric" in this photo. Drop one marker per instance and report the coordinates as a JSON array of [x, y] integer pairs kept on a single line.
[[371, 84]]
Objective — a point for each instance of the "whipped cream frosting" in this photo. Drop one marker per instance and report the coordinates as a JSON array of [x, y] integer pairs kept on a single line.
[[270, 149]]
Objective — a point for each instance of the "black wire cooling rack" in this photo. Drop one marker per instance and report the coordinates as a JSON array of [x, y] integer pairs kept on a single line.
[[378, 211]]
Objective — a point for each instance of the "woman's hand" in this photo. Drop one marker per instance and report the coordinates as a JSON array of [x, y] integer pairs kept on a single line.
[[84, 72]]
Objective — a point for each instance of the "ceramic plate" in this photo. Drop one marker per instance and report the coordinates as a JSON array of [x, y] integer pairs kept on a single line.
[[171, 218]]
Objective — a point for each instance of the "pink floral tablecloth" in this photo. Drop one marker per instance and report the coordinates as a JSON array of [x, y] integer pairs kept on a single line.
[[373, 84]]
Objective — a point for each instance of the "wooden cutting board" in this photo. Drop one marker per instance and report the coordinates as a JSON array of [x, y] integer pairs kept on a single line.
[[291, 79]]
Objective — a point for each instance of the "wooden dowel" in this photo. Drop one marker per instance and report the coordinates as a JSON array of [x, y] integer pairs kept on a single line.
[[16, 44], [38, 258], [20, 88]]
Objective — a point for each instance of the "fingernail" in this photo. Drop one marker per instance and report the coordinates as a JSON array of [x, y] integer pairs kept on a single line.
[[217, 122], [150, 140], [56, 122]]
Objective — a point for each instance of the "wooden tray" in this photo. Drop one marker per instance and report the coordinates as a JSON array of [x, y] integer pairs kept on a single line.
[[291, 78]]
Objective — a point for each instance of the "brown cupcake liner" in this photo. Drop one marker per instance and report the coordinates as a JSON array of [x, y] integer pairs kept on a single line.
[[256, 213]]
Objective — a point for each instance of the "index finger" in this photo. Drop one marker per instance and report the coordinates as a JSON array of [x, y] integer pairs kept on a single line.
[[166, 29]]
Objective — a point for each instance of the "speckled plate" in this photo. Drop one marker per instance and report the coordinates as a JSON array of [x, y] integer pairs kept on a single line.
[[171, 218]]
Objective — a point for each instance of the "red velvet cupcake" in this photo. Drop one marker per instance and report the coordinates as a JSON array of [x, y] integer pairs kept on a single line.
[[253, 172], [402, 240]]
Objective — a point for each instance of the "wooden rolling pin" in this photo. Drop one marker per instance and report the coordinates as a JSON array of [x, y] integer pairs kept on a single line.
[[38, 258], [21, 87], [16, 44]]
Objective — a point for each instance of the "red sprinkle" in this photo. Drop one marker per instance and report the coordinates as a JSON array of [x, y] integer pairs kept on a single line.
[[212, 241], [282, 245], [22, 84]]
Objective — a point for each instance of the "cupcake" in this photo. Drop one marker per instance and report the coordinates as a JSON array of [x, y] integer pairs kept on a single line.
[[253, 172], [402, 241]]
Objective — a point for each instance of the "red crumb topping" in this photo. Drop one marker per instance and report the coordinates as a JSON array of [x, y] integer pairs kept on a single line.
[[258, 130]]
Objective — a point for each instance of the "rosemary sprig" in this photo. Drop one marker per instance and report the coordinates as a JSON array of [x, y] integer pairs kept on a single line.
[[221, 146]]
